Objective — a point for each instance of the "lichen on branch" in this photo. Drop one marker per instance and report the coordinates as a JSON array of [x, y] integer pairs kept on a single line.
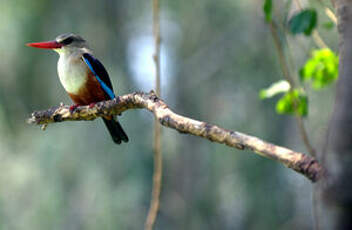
[[299, 162]]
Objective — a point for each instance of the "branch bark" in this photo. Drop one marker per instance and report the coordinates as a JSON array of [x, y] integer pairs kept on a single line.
[[301, 163], [158, 161]]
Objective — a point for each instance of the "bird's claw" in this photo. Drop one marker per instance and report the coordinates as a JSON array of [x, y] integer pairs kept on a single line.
[[73, 108]]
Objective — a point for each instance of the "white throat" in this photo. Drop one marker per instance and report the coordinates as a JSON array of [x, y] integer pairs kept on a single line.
[[72, 71]]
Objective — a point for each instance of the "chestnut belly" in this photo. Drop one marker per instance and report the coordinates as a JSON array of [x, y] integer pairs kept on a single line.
[[90, 92]]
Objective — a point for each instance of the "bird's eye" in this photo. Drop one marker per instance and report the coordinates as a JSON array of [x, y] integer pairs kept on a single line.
[[67, 41]]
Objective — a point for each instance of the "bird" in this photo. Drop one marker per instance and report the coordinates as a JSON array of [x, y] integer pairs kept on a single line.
[[83, 77]]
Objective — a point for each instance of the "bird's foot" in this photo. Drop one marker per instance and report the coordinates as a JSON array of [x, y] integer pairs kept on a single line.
[[91, 105], [73, 108]]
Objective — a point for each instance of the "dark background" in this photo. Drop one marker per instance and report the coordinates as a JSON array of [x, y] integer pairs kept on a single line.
[[216, 56]]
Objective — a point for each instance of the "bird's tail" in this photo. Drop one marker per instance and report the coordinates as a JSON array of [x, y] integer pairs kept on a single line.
[[115, 131]]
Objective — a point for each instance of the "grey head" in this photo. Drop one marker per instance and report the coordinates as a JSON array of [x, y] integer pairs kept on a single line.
[[71, 40]]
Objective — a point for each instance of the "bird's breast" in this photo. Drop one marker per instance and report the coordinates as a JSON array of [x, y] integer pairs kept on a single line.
[[73, 74]]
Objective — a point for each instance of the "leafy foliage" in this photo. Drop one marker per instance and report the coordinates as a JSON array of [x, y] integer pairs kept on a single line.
[[303, 22], [321, 68], [267, 8], [293, 102], [276, 88]]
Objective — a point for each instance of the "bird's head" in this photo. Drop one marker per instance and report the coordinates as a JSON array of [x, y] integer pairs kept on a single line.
[[63, 43]]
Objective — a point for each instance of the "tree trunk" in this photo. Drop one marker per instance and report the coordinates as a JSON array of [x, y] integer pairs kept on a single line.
[[335, 200]]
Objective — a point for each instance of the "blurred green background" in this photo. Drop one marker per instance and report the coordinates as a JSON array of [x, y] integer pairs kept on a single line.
[[216, 56]]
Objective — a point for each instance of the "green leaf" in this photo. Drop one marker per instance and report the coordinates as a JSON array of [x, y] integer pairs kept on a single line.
[[321, 69], [303, 22], [274, 89], [293, 102], [267, 8], [328, 25]]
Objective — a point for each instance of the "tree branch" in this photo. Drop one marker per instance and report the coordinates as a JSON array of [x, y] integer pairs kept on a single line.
[[158, 161], [299, 162], [289, 78]]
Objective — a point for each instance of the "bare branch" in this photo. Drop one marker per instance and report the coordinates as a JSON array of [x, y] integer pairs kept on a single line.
[[299, 162], [158, 161], [289, 78]]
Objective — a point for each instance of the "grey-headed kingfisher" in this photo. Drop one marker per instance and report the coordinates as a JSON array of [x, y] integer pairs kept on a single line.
[[84, 77]]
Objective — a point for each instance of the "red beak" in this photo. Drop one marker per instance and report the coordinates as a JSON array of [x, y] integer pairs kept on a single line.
[[45, 45]]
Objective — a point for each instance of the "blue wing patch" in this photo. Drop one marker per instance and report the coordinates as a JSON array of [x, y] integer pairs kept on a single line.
[[98, 71]]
